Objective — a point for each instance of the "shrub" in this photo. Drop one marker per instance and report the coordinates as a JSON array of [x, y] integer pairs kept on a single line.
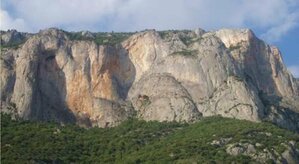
[[185, 52]]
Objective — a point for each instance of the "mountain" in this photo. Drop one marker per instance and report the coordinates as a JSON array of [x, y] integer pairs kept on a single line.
[[103, 79]]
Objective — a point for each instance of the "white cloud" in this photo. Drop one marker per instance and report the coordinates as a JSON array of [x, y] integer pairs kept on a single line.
[[294, 70], [74, 14], [7, 22], [276, 32], [130, 15], [208, 14]]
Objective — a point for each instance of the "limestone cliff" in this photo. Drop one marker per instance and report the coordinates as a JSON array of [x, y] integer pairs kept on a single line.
[[101, 79]]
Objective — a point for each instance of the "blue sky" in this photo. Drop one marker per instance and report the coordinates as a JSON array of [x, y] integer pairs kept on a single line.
[[276, 21]]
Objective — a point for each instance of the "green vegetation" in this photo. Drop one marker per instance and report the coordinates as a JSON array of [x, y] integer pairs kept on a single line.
[[134, 141], [13, 45], [168, 33], [187, 40], [232, 48], [237, 46], [101, 38], [185, 52], [237, 77], [184, 35]]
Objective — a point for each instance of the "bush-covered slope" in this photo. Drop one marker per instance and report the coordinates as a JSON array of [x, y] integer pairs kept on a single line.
[[101, 38], [140, 142]]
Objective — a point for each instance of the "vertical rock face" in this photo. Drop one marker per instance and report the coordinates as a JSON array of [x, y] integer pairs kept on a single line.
[[164, 76], [57, 79], [260, 63], [262, 66]]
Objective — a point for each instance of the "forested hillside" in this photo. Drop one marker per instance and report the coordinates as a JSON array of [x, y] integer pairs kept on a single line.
[[213, 139]]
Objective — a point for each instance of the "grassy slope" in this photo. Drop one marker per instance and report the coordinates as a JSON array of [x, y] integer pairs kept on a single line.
[[133, 141]]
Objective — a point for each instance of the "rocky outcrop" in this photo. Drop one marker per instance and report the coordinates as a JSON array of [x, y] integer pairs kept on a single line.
[[260, 63], [289, 155], [164, 76], [161, 97], [13, 37]]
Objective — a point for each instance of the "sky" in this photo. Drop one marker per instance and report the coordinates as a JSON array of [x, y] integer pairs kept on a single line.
[[275, 21]]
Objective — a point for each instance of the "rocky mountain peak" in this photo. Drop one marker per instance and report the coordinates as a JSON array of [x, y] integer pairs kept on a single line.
[[102, 79], [233, 37], [199, 32]]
